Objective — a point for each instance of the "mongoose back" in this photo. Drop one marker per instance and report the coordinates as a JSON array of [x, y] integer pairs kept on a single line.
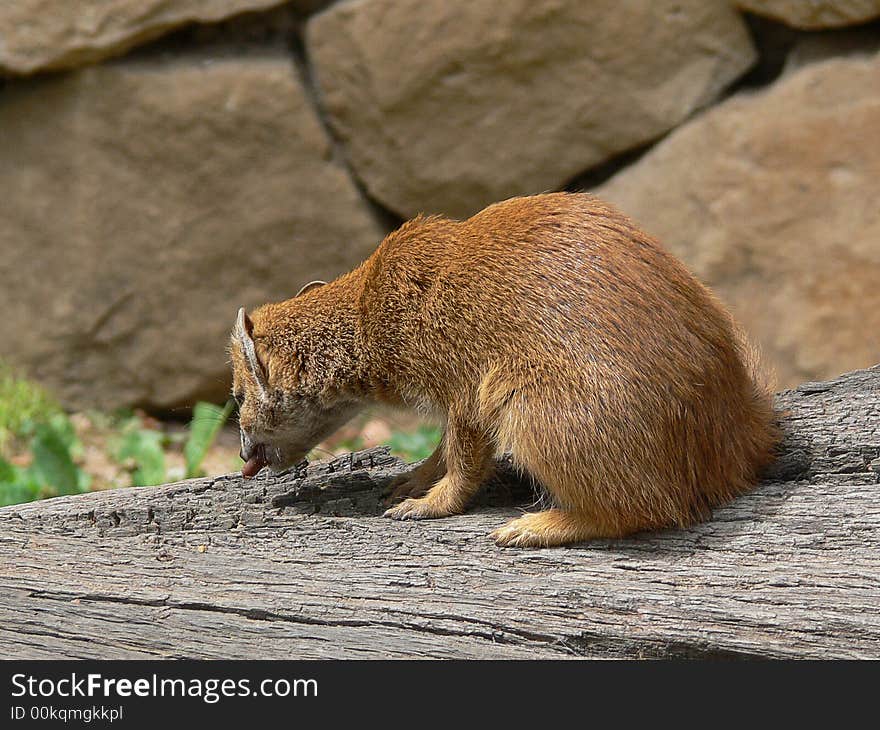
[[549, 327]]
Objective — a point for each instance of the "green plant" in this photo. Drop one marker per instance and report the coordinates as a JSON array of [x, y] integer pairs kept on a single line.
[[52, 471], [23, 403], [28, 414], [39, 448], [206, 423], [144, 447], [415, 445]]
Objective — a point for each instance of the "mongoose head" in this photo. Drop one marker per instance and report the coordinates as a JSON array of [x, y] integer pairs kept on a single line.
[[282, 414]]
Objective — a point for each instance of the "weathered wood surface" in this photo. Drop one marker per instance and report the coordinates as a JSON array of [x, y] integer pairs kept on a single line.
[[302, 566]]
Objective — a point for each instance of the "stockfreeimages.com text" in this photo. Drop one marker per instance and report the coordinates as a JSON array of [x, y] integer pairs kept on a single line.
[[209, 690]]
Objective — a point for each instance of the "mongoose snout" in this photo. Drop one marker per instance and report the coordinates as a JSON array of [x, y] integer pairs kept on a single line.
[[254, 460], [549, 327]]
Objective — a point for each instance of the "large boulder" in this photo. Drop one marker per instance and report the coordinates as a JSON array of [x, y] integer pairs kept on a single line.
[[772, 199], [143, 203], [51, 34], [446, 106], [815, 14]]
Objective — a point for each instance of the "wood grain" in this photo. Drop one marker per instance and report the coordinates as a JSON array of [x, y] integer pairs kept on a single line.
[[301, 565]]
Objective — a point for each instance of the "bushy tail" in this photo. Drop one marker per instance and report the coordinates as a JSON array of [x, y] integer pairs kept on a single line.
[[764, 384]]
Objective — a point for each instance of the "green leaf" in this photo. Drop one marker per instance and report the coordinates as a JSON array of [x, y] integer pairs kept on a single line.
[[8, 473], [415, 445], [19, 485], [22, 403], [52, 464], [84, 480], [144, 446], [206, 423], [63, 428], [17, 492]]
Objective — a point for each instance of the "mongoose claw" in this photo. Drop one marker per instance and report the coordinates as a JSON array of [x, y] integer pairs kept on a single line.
[[415, 509], [547, 529], [513, 535]]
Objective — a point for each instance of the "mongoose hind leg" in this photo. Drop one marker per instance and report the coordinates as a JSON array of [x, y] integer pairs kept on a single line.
[[467, 454], [549, 528], [417, 482]]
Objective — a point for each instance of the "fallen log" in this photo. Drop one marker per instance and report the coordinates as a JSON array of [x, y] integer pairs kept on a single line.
[[301, 565]]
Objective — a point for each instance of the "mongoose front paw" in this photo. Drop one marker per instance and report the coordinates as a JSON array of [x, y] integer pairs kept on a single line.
[[417, 509], [517, 534], [546, 529]]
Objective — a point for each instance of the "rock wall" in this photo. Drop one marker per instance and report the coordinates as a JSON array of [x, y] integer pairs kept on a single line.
[[514, 97], [165, 163], [779, 212], [815, 14]]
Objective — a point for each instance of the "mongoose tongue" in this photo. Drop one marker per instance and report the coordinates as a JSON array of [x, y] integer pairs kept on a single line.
[[255, 463]]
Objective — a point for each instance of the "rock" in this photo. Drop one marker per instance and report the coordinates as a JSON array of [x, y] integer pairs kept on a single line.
[[811, 47], [771, 199], [51, 34], [448, 106], [143, 203], [815, 14]]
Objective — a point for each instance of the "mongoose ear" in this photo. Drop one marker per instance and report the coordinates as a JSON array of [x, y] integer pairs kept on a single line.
[[244, 333], [310, 285]]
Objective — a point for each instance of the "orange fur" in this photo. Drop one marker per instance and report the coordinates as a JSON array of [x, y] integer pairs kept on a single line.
[[547, 326]]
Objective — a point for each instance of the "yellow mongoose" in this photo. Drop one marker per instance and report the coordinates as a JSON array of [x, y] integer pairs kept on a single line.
[[549, 327]]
